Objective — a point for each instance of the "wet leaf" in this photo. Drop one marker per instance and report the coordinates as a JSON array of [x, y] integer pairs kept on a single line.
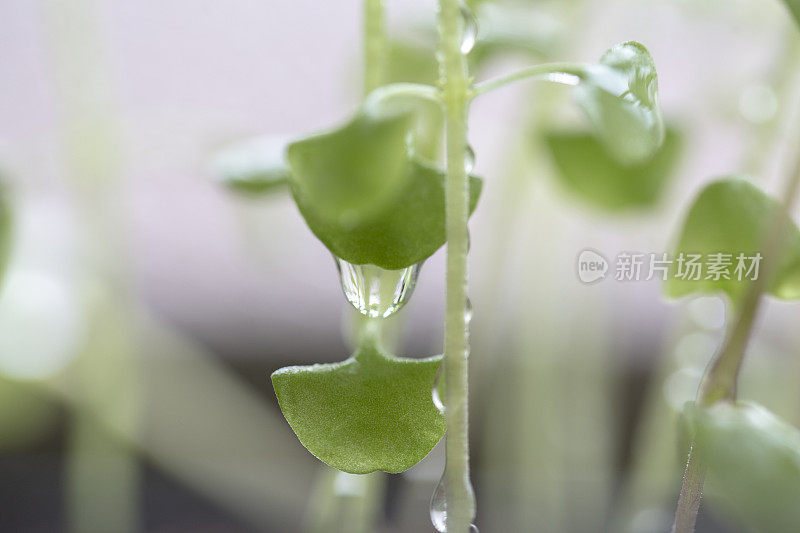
[[586, 168], [351, 173], [753, 460], [411, 229], [732, 216], [370, 412], [619, 95], [253, 166]]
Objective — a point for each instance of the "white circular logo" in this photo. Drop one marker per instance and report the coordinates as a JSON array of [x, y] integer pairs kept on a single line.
[[592, 266]]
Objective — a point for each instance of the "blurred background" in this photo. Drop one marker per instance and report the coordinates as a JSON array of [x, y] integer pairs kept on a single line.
[[144, 305]]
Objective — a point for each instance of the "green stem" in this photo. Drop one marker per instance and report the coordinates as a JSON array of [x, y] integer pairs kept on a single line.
[[455, 92], [378, 99], [375, 45], [722, 375], [566, 73]]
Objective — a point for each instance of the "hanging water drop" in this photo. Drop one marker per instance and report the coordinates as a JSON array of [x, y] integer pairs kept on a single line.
[[469, 31], [438, 508], [469, 159], [374, 291], [468, 312], [436, 393]]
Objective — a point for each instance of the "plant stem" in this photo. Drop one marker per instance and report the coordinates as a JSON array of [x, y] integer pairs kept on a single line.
[[375, 44], [453, 69], [566, 73], [722, 375], [412, 91]]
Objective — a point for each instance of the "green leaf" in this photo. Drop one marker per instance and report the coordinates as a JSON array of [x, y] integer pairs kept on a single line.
[[505, 28], [753, 460], [413, 63], [732, 216], [5, 231], [586, 168], [27, 414], [794, 8], [253, 166], [370, 412], [351, 173], [620, 98], [409, 62], [409, 230]]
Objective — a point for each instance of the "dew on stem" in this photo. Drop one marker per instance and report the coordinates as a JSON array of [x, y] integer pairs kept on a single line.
[[469, 31], [376, 292], [469, 159], [438, 508]]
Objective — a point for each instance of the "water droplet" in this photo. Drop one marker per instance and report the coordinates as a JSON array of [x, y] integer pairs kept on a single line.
[[469, 159], [374, 291], [438, 509], [469, 31], [468, 312], [436, 394]]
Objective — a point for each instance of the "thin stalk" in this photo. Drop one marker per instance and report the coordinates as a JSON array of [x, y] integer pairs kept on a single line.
[[455, 92], [565, 73], [375, 44], [722, 375], [378, 99]]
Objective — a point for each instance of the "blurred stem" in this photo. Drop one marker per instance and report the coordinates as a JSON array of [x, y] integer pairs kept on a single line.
[[722, 375], [103, 477], [565, 73], [375, 44], [395, 91], [453, 68], [345, 503], [783, 78]]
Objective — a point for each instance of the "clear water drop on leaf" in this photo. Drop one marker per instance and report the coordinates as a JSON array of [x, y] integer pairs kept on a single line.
[[469, 30], [376, 292], [469, 159], [468, 312], [619, 97]]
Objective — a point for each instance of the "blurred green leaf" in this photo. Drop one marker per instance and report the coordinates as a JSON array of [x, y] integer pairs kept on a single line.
[[505, 28], [406, 232], [620, 97], [409, 62], [27, 414], [253, 166], [753, 460], [412, 63], [371, 412], [794, 8], [585, 167], [732, 216], [351, 173], [5, 231]]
